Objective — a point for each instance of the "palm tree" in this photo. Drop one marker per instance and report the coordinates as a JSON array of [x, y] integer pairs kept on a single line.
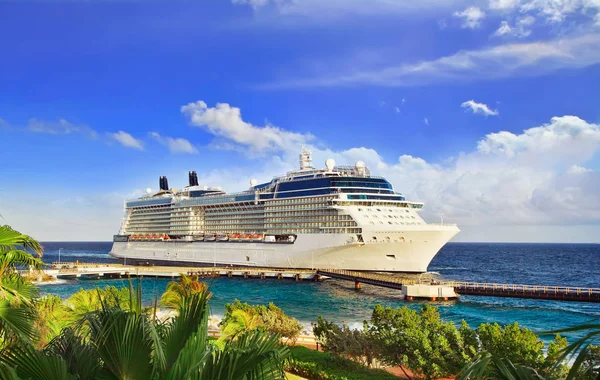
[[490, 367], [580, 350], [114, 343], [13, 250], [176, 290], [17, 314]]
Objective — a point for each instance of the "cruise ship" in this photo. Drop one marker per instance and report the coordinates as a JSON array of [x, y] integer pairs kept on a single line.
[[337, 217]]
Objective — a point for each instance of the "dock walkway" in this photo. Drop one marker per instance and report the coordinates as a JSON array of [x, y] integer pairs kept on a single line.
[[392, 281], [411, 286], [91, 270]]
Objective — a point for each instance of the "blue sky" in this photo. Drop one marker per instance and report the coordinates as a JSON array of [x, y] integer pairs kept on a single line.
[[488, 111]]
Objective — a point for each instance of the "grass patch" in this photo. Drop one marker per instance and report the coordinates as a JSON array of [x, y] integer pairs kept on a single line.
[[316, 365]]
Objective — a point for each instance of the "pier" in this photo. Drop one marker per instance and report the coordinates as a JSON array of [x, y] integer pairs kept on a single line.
[[92, 270], [412, 286]]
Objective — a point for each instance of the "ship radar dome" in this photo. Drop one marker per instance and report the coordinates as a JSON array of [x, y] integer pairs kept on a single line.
[[330, 164], [148, 190], [360, 165], [253, 182]]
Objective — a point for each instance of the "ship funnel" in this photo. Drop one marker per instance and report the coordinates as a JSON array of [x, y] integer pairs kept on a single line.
[[164, 184], [193, 178]]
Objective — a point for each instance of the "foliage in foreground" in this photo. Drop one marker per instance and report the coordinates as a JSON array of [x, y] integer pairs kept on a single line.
[[433, 348], [126, 343], [240, 317], [317, 365], [17, 312], [177, 290]]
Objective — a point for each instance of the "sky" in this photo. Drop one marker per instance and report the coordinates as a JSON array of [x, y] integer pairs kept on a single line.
[[487, 111]]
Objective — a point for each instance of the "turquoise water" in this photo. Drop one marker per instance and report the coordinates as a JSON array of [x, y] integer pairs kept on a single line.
[[561, 264]]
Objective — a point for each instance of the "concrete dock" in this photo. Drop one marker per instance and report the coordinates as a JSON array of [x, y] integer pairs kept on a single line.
[[92, 270], [413, 287]]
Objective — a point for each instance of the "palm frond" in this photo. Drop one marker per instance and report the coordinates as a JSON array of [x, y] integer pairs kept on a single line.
[[29, 363], [17, 322], [81, 357], [192, 318], [123, 342], [252, 355], [7, 373], [16, 289], [10, 239], [578, 348], [487, 366]]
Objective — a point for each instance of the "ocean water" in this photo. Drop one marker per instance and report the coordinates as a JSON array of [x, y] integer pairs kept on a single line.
[[538, 264]]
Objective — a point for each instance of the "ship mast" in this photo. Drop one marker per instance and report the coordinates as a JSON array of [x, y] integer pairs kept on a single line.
[[305, 159]]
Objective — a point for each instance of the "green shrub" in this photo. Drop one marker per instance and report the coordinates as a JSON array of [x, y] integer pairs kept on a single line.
[[316, 365]]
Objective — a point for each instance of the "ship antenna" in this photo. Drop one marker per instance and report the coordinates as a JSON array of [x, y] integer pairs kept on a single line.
[[305, 158]]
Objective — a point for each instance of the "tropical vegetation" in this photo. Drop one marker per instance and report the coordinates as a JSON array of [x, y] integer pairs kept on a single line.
[[432, 348], [240, 317], [317, 365], [110, 335]]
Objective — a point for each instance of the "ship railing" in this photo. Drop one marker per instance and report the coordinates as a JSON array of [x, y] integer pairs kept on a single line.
[[442, 224]]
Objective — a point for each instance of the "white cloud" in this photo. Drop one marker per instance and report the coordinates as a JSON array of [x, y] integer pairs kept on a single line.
[[576, 169], [175, 145], [531, 178], [471, 16], [509, 179], [253, 3], [492, 63], [520, 29], [127, 140], [397, 109], [480, 108], [321, 9], [503, 29], [426, 121], [552, 11], [226, 121], [60, 127], [503, 4]]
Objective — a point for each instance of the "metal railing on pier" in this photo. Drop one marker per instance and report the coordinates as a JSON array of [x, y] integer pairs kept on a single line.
[[547, 292]]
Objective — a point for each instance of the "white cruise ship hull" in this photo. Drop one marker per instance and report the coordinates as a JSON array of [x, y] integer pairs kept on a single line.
[[398, 251]]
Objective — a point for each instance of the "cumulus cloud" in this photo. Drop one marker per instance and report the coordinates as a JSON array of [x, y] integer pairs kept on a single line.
[[321, 9], [175, 145], [127, 140], [226, 121], [533, 177], [60, 127], [480, 108], [491, 63], [536, 177], [471, 16], [520, 29], [551, 11], [503, 4], [503, 29]]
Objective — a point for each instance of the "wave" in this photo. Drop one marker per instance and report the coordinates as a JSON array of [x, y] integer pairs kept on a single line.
[[523, 304], [449, 268]]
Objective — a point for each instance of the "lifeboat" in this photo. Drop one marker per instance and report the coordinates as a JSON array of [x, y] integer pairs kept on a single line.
[[209, 237], [166, 237], [222, 237], [234, 237], [257, 237], [147, 237], [154, 237], [198, 237], [246, 237], [133, 237]]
